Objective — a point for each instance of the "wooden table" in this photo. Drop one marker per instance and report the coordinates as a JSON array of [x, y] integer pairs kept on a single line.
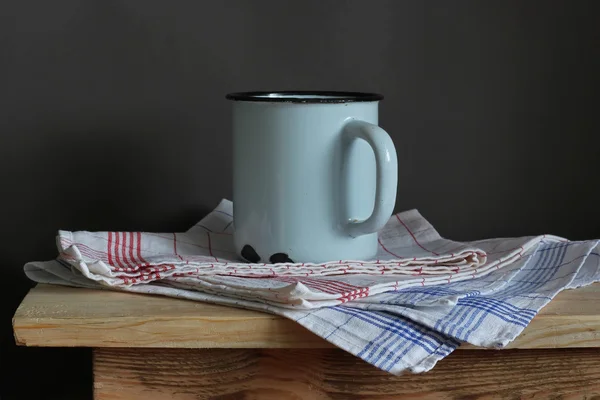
[[151, 347]]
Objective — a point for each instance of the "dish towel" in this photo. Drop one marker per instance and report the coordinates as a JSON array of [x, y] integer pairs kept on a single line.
[[403, 311]]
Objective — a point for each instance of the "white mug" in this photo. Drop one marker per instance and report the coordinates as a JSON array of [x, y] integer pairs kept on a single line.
[[314, 176]]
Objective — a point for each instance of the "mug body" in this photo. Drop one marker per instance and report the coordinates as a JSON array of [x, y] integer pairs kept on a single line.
[[296, 184]]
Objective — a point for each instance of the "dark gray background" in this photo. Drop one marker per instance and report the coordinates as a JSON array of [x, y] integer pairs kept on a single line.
[[112, 116]]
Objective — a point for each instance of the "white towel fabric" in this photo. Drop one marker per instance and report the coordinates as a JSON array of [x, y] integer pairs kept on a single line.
[[411, 253], [405, 310]]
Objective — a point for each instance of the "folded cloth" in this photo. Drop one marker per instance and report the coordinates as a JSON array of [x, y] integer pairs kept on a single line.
[[400, 322], [411, 253]]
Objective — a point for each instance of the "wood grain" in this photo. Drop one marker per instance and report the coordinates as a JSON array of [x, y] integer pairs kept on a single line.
[[333, 374], [64, 317]]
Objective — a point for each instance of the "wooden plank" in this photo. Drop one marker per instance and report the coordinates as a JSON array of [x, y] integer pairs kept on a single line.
[[179, 374], [64, 317]]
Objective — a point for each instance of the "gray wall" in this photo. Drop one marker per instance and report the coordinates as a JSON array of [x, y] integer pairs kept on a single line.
[[112, 116]]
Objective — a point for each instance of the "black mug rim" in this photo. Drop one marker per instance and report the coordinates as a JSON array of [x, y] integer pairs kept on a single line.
[[304, 96]]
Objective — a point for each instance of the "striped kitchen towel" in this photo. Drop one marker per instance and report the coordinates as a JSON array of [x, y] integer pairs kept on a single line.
[[398, 319], [411, 254]]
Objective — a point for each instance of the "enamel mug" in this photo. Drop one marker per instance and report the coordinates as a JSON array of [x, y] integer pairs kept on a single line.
[[314, 176]]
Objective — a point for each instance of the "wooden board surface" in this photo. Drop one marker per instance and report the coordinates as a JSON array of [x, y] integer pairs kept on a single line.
[[63, 317], [180, 374]]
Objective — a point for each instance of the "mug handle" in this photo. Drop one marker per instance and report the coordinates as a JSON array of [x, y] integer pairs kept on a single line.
[[387, 174]]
